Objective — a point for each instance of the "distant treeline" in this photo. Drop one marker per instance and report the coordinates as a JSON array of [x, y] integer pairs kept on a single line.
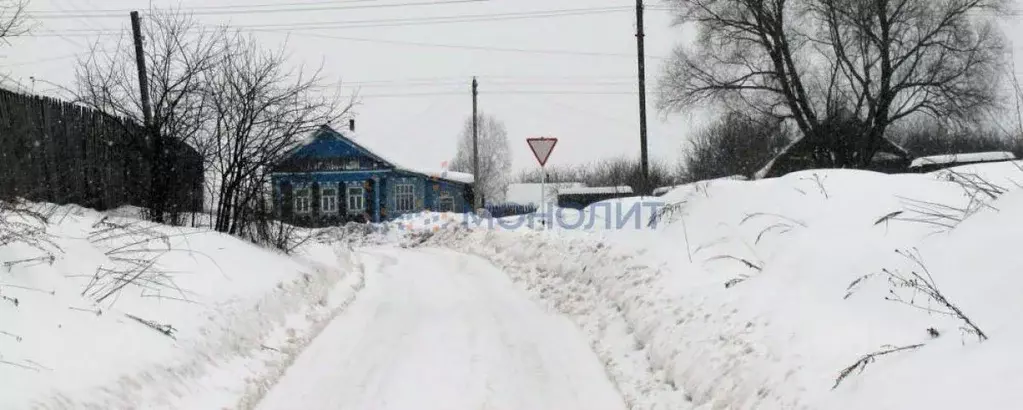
[[56, 151]]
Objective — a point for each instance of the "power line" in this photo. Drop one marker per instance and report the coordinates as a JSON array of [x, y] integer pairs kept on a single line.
[[43, 60], [464, 47], [242, 10], [416, 21], [588, 114], [498, 93], [402, 22], [432, 45], [444, 83], [215, 7], [501, 79], [489, 78], [87, 23]]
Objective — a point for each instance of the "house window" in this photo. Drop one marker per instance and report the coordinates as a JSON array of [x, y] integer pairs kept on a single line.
[[303, 204], [352, 164], [404, 197], [328, 200], [446, 203], [356, 199]]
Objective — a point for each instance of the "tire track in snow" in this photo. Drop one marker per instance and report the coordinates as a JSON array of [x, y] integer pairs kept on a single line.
[[565, 285], [445, 330], [345, 293]]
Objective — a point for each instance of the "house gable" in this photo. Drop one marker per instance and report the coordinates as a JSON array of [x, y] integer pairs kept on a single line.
[[329, 150]]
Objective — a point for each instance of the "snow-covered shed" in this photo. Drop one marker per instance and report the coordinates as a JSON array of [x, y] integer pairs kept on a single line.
[[531, 193], [936, 162], [581, 197], [802, 154]]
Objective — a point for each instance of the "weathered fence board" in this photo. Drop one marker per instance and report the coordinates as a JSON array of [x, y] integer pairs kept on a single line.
[[56, 151]]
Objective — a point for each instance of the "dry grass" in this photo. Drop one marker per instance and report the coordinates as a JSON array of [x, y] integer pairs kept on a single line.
[[134, 250], [906, 289]]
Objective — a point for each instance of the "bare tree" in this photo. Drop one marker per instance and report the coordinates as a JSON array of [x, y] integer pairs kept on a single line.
[[13, 19], [495, 157], [880, 60], [924, 137], [605, 172], [241, 107], [737, 144], [179, 55], [902, 57], [262, 109]]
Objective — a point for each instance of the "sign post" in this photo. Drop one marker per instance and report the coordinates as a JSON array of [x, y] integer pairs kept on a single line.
[[542, 148]]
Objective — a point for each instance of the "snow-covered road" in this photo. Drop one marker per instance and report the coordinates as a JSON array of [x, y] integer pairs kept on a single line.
[[435, 329]]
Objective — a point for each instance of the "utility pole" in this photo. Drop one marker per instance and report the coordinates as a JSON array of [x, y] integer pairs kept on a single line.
[[154, 148], [140, 61], [645, 190], [475, 145]]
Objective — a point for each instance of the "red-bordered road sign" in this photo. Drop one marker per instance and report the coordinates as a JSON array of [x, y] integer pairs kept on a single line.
[[542, 148]]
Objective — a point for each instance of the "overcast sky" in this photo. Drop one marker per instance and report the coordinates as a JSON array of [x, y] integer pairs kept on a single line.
[[572, 76]]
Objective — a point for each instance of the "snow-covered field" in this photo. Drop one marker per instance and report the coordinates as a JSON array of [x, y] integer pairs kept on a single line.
[[818, 290]]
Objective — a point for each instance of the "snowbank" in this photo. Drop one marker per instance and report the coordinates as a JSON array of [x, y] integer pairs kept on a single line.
[[758, 294], [111, 312]]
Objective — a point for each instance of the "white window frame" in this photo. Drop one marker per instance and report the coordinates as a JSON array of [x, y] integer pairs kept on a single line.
[[360, 199], [404, 194], [328, 203], [303, 202], [450, 200]]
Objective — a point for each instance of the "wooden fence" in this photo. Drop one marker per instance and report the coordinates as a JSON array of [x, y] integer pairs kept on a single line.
[[56, 151], [503, 210]]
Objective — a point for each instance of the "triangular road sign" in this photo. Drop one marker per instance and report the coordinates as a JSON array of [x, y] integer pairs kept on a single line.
[[542, 148]]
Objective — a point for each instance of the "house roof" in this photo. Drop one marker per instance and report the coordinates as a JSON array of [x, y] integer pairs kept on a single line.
[[327, 133], [596, 190], [887, 146], [964, 158]]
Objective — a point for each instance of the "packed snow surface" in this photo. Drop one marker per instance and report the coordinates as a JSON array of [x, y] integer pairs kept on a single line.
[[435, 329]]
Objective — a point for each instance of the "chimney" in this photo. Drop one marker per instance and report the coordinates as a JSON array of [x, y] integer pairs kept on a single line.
[[351, 125]]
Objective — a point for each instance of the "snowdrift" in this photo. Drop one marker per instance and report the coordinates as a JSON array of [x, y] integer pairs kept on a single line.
[[101, 311], [825, 289]]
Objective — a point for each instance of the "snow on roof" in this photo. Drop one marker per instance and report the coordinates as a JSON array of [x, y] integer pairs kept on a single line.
[[444, 174], [664, 189], [596, 190], [959, 158], [530, 193]]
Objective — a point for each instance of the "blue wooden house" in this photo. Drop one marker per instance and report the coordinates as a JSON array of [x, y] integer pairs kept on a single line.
[[332, 179]]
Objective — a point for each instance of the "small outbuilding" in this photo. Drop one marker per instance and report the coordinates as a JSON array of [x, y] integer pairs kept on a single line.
[[579, 198], [938, 162], [890, 158]]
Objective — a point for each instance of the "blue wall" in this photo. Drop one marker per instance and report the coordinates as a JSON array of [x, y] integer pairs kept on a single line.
[[427, 190]]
